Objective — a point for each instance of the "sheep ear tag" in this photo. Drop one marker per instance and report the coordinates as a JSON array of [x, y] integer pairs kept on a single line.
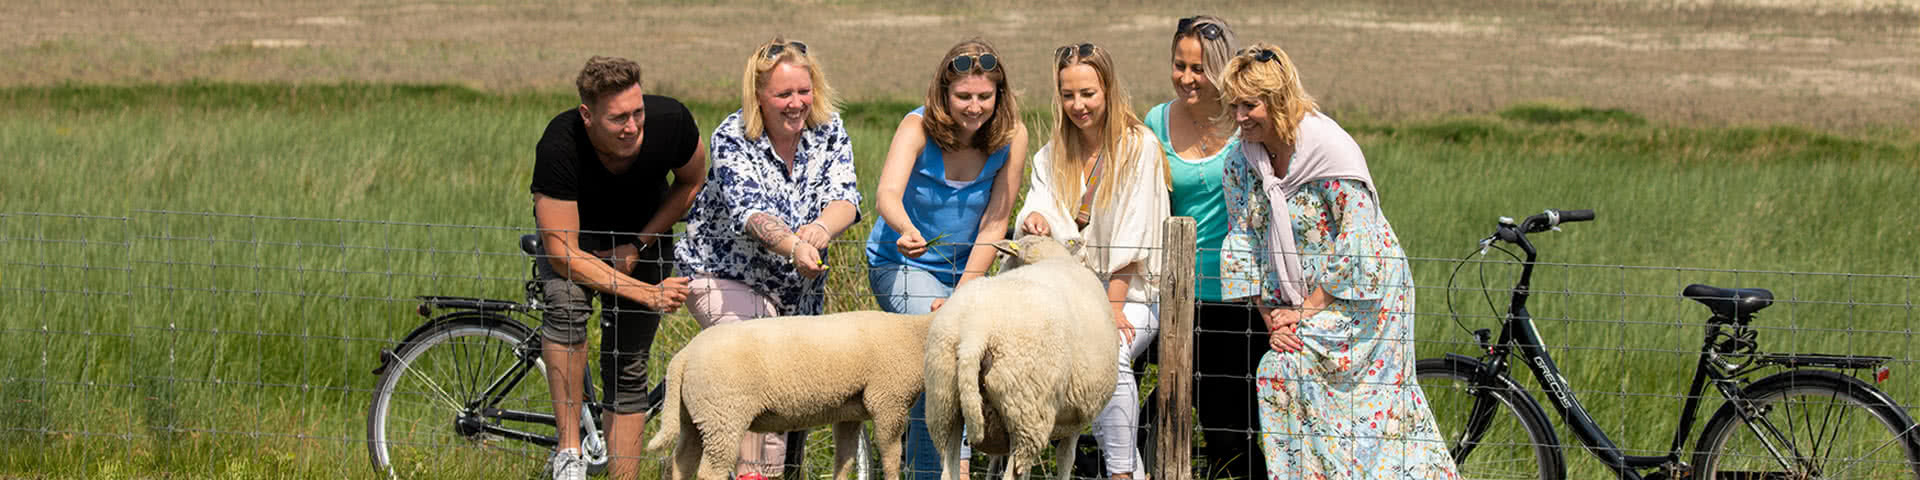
[[1007, 247]]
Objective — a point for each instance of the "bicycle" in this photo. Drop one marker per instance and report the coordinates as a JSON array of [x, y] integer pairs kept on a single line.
[[469, 384], [1807, 421]]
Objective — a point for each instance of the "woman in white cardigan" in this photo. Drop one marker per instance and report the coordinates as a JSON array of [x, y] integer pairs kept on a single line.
[[1101, 180]]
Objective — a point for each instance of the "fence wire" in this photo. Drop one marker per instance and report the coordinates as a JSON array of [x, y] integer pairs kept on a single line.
[[248, 340]]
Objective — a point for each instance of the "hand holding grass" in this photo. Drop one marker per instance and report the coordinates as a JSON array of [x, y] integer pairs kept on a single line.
[[911, 245]]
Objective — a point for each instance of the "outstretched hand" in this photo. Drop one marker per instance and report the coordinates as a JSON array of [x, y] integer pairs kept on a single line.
[[911, 245]]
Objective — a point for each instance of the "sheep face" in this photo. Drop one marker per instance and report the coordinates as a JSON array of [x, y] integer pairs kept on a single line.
[[1034, 248]]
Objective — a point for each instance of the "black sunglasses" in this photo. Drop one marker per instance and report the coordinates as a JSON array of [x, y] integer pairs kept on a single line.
[[1209, 31], [775, 50], [1263, 55], [1086, 50], [965, 63]]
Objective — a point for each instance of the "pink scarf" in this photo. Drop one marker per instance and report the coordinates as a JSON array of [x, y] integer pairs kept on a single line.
[[1322, 151]]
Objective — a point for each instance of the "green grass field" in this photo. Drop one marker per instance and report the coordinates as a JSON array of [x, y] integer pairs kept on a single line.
[[218, 265]]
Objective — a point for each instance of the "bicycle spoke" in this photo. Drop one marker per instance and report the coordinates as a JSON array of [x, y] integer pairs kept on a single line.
[[438, 392]]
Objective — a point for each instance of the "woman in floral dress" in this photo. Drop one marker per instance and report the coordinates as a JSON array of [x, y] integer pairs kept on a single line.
[[1308, 242]]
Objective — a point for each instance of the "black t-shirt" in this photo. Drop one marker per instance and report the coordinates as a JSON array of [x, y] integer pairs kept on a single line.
[[566, 167]]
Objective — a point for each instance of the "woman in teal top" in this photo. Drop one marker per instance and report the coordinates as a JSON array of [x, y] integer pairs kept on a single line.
[[1197, 145], [945, 194]]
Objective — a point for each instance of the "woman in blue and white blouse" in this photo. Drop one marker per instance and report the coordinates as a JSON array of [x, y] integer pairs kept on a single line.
[[782, 186]]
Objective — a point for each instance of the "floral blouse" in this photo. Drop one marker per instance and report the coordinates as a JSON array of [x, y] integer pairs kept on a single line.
[[747, 179], [1341, 236]]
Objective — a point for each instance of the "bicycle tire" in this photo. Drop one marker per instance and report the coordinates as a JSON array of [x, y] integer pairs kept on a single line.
[[426, 387], [1730, 447], [1518, 442]]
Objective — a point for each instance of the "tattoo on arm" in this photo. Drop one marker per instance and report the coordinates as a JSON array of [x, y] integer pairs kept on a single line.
[[767, 228]]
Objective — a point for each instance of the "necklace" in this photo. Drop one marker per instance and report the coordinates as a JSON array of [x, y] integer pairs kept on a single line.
[[1207, 141]]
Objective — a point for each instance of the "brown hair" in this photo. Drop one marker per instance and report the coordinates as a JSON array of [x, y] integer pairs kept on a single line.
[[605, 76], [1274, 82], [939, 125], [825, 104]]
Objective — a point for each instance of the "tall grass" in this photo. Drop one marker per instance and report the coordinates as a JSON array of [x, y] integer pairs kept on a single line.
[[155, 338]]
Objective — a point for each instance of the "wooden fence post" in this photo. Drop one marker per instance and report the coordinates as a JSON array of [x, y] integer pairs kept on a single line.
[[1173, 450]]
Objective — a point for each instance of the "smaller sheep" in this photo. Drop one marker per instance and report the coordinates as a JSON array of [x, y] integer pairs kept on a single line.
[[1024, 357], [788, 373]]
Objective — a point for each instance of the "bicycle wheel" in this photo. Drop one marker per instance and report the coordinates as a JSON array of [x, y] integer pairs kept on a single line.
[[1822, 424], [1515, 439], [426, 419]]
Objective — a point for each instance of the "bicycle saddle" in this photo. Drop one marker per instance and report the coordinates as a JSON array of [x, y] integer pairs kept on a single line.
[[1729, 303], [530, 243]]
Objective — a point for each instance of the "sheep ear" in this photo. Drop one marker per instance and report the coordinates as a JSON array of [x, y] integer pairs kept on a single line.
[[1007, 247]]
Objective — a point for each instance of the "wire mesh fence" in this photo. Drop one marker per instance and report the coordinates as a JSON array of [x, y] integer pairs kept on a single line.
[[245, 343]]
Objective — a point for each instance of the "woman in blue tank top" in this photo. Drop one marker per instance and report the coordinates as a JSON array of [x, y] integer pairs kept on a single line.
[[945, 194]]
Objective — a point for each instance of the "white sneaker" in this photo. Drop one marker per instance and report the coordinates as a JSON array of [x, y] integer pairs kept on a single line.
[[568, 465]]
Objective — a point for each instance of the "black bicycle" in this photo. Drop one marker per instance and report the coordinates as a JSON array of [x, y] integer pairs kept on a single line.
[[468, 386], [1806, 420]]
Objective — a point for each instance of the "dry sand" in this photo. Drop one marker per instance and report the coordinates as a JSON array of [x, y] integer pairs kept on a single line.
[[1830, 64]]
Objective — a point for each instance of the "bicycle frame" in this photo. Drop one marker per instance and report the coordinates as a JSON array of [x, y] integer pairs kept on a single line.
[[1518, 334]]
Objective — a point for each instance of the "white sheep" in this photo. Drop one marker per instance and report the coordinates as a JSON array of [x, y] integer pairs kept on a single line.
[[1025, 357], [788, 373]]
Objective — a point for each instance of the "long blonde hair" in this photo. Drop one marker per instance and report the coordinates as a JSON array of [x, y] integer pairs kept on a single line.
[[1275, 82], [825, 103], [1120, 138]]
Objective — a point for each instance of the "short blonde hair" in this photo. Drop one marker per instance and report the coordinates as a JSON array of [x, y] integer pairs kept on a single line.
[[1275, 82], [825, 103], [939, 125]]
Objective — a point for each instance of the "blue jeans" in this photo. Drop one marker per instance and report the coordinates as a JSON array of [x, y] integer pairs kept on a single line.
[[904, 289]]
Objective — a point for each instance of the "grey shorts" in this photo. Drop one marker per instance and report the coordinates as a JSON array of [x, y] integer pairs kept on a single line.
[[627, 327]]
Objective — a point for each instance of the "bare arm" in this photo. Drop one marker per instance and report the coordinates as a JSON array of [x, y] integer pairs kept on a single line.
[[993, 222], [890, 196], [1117, 293], [687, 181], [559, 224]]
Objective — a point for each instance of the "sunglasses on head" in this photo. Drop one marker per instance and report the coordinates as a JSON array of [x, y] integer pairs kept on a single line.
[[1209, 31], [775, 50], [965, 63], [1065, 52], [1263, 55]]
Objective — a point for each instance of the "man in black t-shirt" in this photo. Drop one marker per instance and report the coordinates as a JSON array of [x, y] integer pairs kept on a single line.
[[603, 206]]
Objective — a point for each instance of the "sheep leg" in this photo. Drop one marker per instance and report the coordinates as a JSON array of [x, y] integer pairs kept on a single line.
[[948, 444], [686, 454], [1063, 453], [721, 450], [888, 433], [846, 442]]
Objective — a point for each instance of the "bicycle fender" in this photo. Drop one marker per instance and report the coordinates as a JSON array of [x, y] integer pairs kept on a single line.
[[490, 319], [1836, 380]]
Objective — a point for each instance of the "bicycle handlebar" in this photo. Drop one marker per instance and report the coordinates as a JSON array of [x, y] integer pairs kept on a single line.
[[1553, 218]]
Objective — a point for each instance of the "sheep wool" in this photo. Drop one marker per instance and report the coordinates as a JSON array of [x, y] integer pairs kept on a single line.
[[788, 373], [1023, 358]]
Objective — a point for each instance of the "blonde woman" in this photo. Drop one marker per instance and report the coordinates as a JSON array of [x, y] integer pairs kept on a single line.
[[1310, 245], [782, 186], [1100, 180]]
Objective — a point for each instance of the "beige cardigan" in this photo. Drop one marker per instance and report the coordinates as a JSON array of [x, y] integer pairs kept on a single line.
[[1126, 232]]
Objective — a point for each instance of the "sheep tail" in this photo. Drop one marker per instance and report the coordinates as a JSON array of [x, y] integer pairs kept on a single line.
[[968, 356], [670, 411]]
